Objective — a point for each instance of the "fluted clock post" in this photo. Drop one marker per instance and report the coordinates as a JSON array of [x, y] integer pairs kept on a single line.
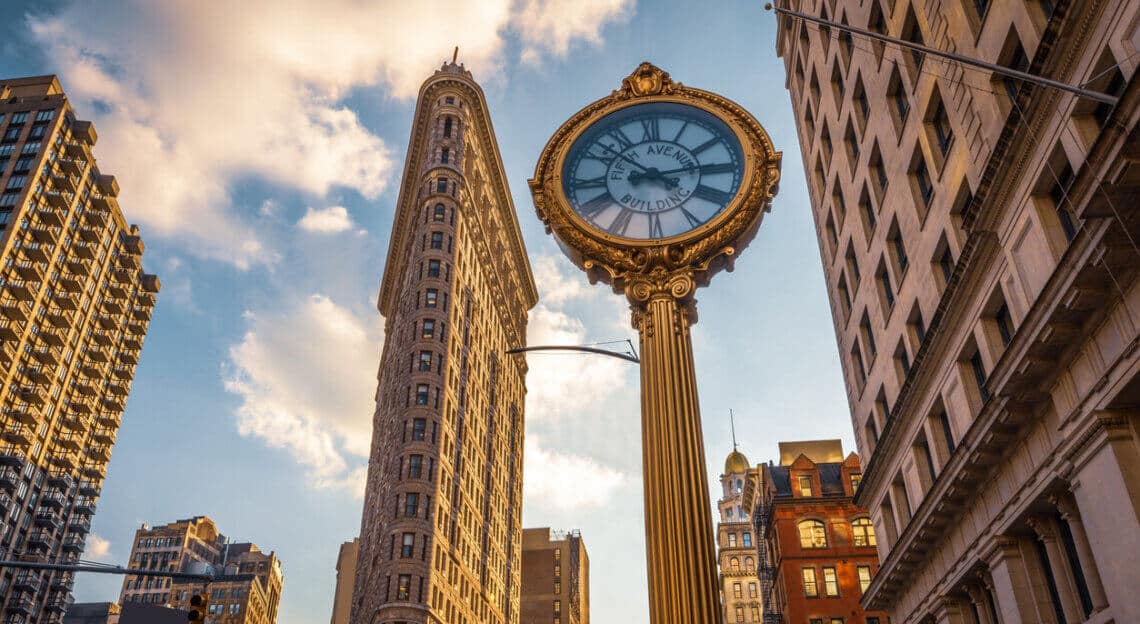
[[678, 524], [653, 190]]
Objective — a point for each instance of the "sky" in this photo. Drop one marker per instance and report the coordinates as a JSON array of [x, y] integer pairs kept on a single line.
[[259, 147]]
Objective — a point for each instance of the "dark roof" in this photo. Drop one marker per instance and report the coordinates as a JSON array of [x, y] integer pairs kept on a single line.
[[830, 479], [782, 480]]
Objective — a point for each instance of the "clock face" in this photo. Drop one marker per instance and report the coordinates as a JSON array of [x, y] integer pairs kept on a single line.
[[652, 171]]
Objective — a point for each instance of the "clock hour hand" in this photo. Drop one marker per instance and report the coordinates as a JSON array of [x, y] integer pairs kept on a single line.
[[653, 174]]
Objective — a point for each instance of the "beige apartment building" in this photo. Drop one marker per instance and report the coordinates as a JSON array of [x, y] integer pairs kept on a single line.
[[74, 308], [736, 553], [441, 533], [345, 580], [248, 582], [555, 578], [978, 237]]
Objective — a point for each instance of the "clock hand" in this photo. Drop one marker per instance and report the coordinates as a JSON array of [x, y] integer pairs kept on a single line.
[[680, 169]]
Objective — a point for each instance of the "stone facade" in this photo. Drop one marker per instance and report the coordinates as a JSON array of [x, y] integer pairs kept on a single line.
[[736, 553], [555, 578], [978, 240], [173, 547], [74, 309], [441, 534]]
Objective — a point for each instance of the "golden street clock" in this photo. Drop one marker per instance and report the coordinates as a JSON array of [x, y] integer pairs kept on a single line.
[[655, 177], [653, 189]]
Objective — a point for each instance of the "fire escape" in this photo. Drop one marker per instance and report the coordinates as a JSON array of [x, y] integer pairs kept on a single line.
[[765, 570]]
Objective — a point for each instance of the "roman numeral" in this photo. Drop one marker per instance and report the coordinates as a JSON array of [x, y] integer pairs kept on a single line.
[[592, 207], [650, 129], [718, 168], [677, 139], [692, 218], [715, 196], [704, 146], [588, 183], [622, 139], [621, 222], [655, 230]]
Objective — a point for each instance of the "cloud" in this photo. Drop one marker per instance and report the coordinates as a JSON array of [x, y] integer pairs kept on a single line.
[[193, 97], [565, 481], [97, 548], [306, 377], [326, 220], [551, 25]]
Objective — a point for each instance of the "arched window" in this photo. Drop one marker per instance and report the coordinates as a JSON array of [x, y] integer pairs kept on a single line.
[[863, 532], [739, 485], [749, 564], [734, 564], [812, 534], [439, 212]]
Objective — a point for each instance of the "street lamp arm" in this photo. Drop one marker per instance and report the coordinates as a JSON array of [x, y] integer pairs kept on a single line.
[[629, 357]]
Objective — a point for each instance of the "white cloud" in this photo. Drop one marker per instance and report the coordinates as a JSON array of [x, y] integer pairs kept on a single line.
[[551, 25], [97, 548], [192, 97], [306, 377], [326, 220], [565, 481]]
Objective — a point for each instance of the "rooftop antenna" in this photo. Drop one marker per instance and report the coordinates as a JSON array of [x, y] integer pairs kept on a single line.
[[732, 422], [455, 55]]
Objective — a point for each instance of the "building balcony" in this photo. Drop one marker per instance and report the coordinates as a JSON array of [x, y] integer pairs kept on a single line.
[[118, 389], [15, 309], [133, 245], [66, 301], [101, 452], [150, 283], [141, 313], [48, 356], [24, 413], [83, 134], [75, 422], [113, 403], [60, 602], [108, 419], [95, 354], [27, 581], [112, 306], [106, 435], [19, 434], [62, 459], [51, 215], [43, 234], [89, 487], [128, 261], [37, 374], [53, 337], [38, 540], [106, 321], [79, 405], [83, 250], [89, 234], [84, 506], [30, 271], [34, 394], [79, 524], [14, 618], [108, 186], [36, 252], [71, 166], [73, 543], [63, 580], [131, 341], [20, 290], [115, 289], [61, 479], [64, 183], [70, 441], [11, 330], [84, 386], [49, 519], [93, 469], [9, 478], [102, 337], [78, 267], [58, 200], [22, 605], [96, 217], [129, 357]]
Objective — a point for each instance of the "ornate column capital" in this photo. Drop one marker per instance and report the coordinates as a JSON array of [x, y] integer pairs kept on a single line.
[[1044, 527], [1065, 505], [1000, 548], [679, 286]]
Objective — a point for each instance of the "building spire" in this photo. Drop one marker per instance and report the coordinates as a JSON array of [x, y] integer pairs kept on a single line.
[[455, 55], [732, 422]]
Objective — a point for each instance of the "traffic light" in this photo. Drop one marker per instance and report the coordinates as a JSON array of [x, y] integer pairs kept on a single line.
[[198, 605]]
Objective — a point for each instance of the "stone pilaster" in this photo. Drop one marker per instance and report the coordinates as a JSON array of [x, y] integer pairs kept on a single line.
[[1046, 529], [1071, 516]]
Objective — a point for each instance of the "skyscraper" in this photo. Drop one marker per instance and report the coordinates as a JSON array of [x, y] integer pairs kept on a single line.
[[555, 578], [345, 579], [736, 553], [978, 237], [74, 309], [440, 539]]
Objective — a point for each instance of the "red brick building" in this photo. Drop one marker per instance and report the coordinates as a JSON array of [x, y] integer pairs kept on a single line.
[[816, 549]]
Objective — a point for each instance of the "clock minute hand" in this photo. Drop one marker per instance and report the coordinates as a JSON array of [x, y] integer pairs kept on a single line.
[[680, 169]]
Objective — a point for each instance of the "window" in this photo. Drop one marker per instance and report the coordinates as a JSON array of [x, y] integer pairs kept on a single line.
[[811, 588], [946, 262], [431, 298], [1060, 173], [404, 587], [868, 335], [734, 564], [860, 370], [862, 531], [739, 613], [852, 143], [755, 611], [439, 212], [421, 394], [1004, 323], [899, 100], [747, 539], [979, 371], [886, 290], [437, 240], [433, 268], [752, 590], [913, 33], [447, 126], [425, 360], [864, 574], [805, 486], [44, 115], [428, 329], [867, 211], [407, 545], [845, 295], [444, 155], [947, 431], [923, 185], [736, 591], [1015, 58], [411, 504], [749, 564], [859, 99], [880, 172], [899, 259], [940, 126], [856, 480], [830, 582], [732, 540], [812, 534], [441, 185], [415, 466]]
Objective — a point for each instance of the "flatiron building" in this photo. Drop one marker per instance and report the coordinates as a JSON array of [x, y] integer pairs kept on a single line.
[[441, 533]]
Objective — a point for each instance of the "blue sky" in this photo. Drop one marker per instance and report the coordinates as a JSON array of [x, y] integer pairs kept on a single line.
[[259, 147]]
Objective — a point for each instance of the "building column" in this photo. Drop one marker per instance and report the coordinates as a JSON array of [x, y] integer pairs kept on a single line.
[[949, 611], [1106, 487], [980, 599], [1012, 591], [1069, 513], [1046, 529]]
